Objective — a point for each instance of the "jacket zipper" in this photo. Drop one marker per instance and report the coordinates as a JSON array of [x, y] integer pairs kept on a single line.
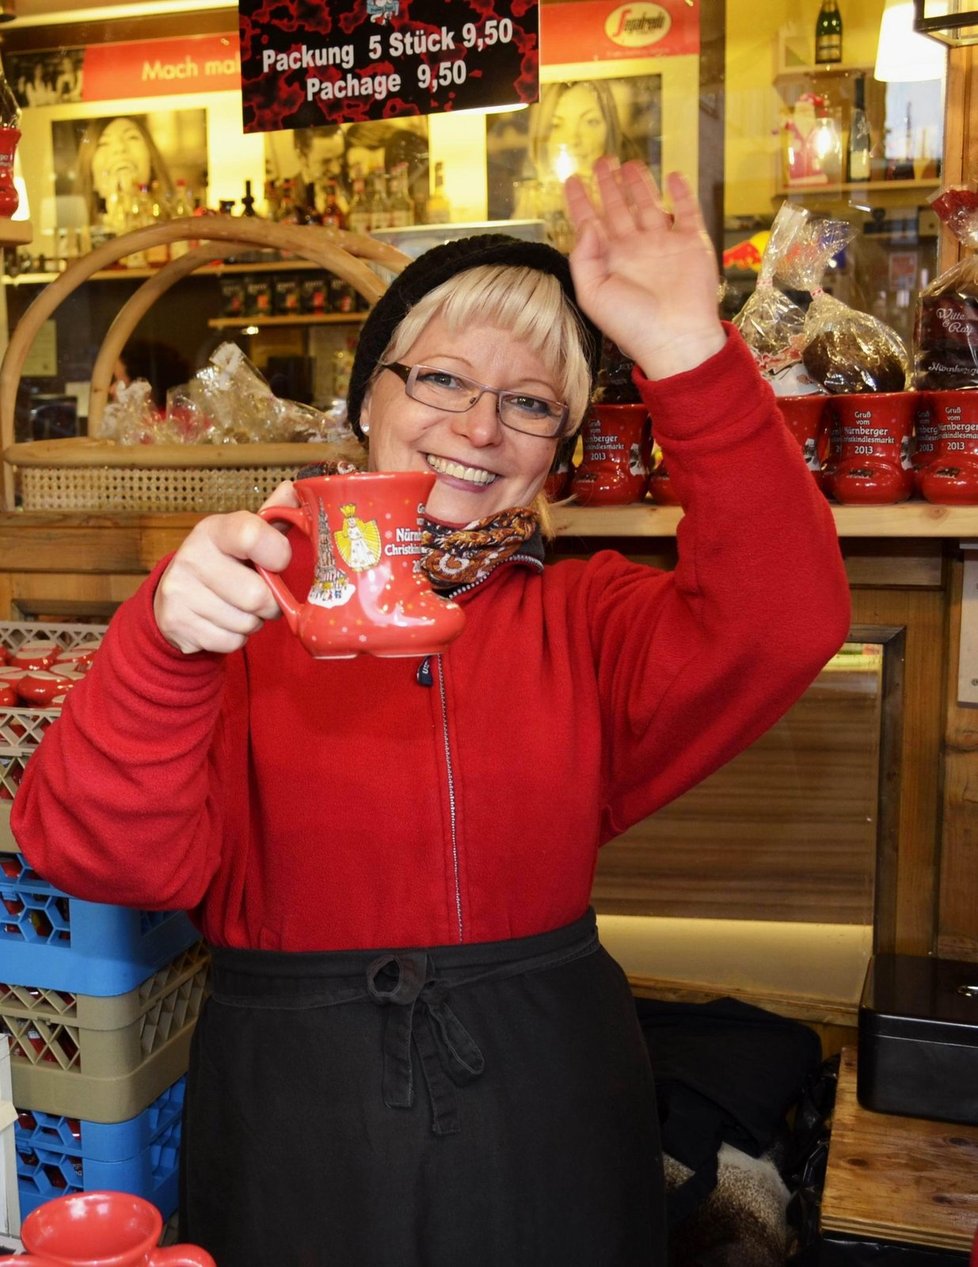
[[424, 677], [450, 775]]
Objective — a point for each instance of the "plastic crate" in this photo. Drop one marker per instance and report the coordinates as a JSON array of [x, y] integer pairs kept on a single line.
[[59, 942], [22, 729], [58, 1155], [103, 1059]]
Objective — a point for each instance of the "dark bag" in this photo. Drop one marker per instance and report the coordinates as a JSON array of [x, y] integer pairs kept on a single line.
[[725, 1072]]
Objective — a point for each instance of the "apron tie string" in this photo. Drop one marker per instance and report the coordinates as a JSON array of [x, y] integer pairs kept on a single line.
[[447, 1050]]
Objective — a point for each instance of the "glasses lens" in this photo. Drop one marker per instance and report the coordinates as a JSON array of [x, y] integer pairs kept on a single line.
[[442, 389], [535, 415]]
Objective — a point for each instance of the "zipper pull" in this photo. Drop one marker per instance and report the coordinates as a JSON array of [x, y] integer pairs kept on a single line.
[[424, 675]]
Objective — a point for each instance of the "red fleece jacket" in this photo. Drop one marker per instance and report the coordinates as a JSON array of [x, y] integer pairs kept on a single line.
[[296, 804]]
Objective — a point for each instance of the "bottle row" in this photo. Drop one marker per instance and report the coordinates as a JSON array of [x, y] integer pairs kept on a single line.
[[288, 295]]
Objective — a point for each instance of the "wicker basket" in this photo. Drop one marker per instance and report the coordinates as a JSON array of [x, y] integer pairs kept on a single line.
[[86, 475], [83, 474]]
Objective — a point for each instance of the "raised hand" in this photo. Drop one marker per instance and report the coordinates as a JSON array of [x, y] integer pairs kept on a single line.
[[210, 598], [648, 278]]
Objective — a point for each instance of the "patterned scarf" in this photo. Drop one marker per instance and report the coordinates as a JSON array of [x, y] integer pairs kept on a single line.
[[456, 558]]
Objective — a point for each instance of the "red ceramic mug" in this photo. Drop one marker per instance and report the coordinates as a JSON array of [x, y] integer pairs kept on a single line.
[[103, 1229], [868, 462], [806, 417], [614, 467], [951, 476], [366, 594]]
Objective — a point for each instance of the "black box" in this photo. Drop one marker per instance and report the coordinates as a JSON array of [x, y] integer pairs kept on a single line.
[[918, 1038]]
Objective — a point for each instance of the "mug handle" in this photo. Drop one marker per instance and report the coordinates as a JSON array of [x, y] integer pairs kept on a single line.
[[181, 1256], [281, 592]]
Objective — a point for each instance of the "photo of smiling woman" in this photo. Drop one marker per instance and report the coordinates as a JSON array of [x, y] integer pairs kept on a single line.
[[102, 161], [531, 152]]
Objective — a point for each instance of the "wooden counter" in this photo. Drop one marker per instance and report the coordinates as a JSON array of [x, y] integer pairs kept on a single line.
[[902, 1179]]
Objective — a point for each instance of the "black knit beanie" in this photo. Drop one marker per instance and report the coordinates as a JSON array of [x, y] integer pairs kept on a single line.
[[438, 265]]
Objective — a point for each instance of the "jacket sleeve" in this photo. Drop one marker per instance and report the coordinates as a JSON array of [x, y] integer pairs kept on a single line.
[[695, 664], [118, 803]]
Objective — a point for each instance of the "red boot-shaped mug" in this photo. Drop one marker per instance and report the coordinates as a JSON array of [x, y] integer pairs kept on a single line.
[[366, 593], [614, 468], [951, 476], [869, 459]]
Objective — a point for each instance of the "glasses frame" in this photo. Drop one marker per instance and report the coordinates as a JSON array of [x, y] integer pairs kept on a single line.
[[409, 375]]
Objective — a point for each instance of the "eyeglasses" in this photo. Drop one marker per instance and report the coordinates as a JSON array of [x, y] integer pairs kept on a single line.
[[444, 389]]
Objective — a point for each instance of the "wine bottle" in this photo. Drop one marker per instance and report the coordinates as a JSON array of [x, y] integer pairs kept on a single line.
[[828, 33], [439, 209], [860, 141]]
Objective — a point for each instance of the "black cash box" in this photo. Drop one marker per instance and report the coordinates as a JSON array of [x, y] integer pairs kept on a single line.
[[918, 1038]]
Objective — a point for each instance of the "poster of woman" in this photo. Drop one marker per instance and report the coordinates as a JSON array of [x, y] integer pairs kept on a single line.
[[99, 163], [529, 153]]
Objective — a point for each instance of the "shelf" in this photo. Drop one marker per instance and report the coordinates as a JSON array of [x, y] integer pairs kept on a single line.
[[645, 519], [301, 319], [833, 70], [920, 188], [216, 269], [15, 232]]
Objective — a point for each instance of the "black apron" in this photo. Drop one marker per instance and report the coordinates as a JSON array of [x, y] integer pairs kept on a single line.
[[486, 1105]]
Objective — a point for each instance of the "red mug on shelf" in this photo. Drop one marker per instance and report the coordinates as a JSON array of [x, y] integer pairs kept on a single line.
[[617, 447], [950, 478], [103, 1229], [868, 463], [366, 594], [806, 417]]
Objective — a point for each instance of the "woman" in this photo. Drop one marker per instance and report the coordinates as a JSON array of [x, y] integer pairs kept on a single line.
[[117, 157], [416, 1054]]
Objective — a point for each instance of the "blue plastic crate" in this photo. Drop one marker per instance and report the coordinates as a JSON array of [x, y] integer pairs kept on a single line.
[[60, 1155], [56, 942]]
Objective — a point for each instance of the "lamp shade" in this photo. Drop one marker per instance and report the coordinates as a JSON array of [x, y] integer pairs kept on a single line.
[[949, 21], [902, 55]]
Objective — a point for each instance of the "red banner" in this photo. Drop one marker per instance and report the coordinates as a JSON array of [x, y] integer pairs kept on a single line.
[[157, 68], [603, 30]]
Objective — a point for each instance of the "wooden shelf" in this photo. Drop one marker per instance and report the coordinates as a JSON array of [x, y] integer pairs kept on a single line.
[[15, 232], [216, 269], [301, 319], [646, 519]]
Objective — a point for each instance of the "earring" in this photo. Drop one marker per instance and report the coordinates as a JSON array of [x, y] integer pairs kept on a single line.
[[365, 428]]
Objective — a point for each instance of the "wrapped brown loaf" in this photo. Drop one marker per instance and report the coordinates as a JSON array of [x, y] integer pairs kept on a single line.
[[946, 319]]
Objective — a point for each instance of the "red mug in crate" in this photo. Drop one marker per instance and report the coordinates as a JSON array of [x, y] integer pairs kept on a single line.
[[617, 448], [806, 417], [104, 1229], [951, 476], [38, 654], [868, 463], [366, 594]]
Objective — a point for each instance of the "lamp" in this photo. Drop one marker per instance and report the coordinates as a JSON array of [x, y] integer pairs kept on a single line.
[[902, 55], [948, 21]]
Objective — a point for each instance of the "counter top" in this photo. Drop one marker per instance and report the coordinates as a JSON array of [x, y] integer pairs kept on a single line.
[[913, 519]]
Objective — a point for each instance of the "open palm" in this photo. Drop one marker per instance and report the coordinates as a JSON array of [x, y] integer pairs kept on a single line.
[[648, 278]]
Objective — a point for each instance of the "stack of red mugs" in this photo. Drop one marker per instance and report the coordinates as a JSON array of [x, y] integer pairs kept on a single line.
[[879, 448], [40, 673]]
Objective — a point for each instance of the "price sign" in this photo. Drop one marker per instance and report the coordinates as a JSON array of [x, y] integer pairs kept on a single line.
[[307, 65]]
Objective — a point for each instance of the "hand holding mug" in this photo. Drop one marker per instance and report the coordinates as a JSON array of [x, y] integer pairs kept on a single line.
[[210, 598]]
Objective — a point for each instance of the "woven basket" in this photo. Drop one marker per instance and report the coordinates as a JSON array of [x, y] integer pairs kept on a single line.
[[82, 474]]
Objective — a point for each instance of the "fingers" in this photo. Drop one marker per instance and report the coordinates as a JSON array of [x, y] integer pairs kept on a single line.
[[210, 598]]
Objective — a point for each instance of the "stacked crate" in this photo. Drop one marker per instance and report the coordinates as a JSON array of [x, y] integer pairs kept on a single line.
[[97, 1003]]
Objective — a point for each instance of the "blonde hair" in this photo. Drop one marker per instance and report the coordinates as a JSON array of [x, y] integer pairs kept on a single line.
[[528, 303]]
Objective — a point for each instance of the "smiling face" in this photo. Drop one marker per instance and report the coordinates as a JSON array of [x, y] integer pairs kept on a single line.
[[121, 159], [579, 125], [481, 466]]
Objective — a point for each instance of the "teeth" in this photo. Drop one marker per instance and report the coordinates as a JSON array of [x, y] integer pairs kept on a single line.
[[455, 469]]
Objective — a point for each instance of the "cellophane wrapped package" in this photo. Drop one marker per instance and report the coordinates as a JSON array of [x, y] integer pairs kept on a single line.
[[226, 402], [770, 322], [845, 350], [946, 317]]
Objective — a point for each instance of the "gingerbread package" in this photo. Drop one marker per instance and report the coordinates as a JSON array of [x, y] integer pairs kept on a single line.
[[946, 318]]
